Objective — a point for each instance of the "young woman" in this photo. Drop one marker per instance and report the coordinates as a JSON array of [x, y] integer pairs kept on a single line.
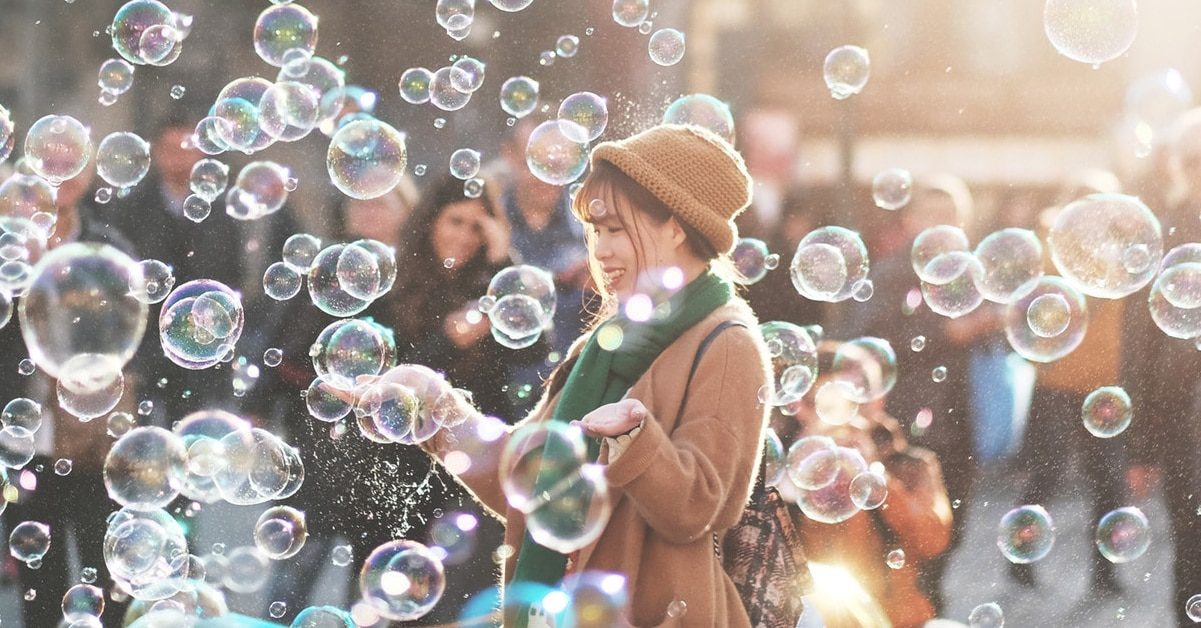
[[679, 469]]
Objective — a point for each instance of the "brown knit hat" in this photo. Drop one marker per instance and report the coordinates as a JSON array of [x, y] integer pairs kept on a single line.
[[699, 176]]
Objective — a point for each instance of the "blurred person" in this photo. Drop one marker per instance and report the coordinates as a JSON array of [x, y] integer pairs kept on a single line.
[[915, 518], [768, 138], [545, 235], [1159, 374], [774, 298], [432, 310], [382, 218], [936, 415], [681, 463], [75, 505]]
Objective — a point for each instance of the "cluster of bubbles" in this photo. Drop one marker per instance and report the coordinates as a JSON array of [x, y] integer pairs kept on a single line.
[[1175, 296], [519, 304], [146, 552], [544, 473], [793, 353], [829, 264], [448, 88], [752, 260], [343, 279], [144, 32], [200, 322]]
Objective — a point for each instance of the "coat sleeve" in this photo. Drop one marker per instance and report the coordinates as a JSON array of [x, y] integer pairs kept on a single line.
[[680, 483]]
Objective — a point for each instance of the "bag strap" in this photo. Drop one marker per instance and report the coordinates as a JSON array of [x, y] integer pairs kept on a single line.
[[700, 351]]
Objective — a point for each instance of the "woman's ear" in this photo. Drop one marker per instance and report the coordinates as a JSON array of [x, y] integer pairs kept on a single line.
[[678, 237]]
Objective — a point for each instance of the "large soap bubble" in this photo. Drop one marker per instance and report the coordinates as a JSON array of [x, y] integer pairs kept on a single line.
[[573, 513], [366, 159], [78, 319], [402, 580], [348, 349], [1091, 31], [145, 468], [1123, 535], [793, 355], [282, 30], [832, 503], [553, 156], [520, 301], [201, 433], [1008, 258], [704, 111], [829, 262], [1046, 320], [200, 322], [280, 532], [58, 148], [146, 551], [1106, 245], [123, 159]]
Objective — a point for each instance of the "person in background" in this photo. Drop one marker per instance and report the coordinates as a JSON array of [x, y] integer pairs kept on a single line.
[[775, 298], [74, 504]]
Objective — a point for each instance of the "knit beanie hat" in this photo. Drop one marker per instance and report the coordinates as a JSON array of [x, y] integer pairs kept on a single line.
[[697, 175]]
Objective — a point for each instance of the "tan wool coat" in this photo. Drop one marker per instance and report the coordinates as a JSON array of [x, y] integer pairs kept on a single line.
[[678, 481]]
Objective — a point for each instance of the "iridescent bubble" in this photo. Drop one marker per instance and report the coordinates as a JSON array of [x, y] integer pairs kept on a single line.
[[846, 71], [358, 272], [92, 402], [158, 43], [237, 107], [325, 289], [25, 198], [283, 28], [1123, 535], [1009, 258], [832, 503], [1030, 340], [520, 300], [464, 163], [933, 242], [281, 282], [366, 159], [258, 467], [573, 513], [828, 263], [325, 400], [116, 76], [1107, 412], [248, 570], [348, 349], [263, 188], [895, 558], [324, 77], [123, 159], [869, 490], [583, 111], [200, 322], [666, 46], [445, 93], [146, 552], [567, 46], [131, 22], [752, 260], [82, 602], [1091, 32], [469, 74], [29, 541], [553, 157], [774, 461], [209, 134], [519, 96], [415, 85], [23, 413], [402, 580], [289, 110], [209, 179], [145, 468], [77, 319], [201, 432], [1026, 534], [155, 283], [867, 366], [58, 148], [793, 355], [280, 532], [455, 14], [704, 111], [949, 284], [986, 616], [892, 188], [1049, 315], [323, 617], [300, 250], [811, 462], [1175, 300], [630, 13], [539, 457], [1091, 236]]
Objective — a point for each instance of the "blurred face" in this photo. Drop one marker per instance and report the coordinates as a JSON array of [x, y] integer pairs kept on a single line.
[[457, 232], [623, 249], [378, 219], [169, 155]]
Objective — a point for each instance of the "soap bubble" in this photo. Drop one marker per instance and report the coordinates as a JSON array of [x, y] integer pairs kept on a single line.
[[455, 15], [281, 282], [132, 21], [258, 467], [283, 28], [280, 532], [832, 503], [362, 269], [1123, 535], [468, 74], [289, 110], [846, 71], [986, 616], [1107, 412], [867, 366], [583, 111], [752, 260], [539, 457], [895, 559], [774, 461], [869, 490], [248, 570], [147, 553], [553, 157], [325, 400], [1009, 258], [574, 512], [155, 282], [519, 96], [464, 163], [949, 284], [520, 301], [78, 320], [25, 198], [82, 602], [793, 355], [58, 148], [567, 46], [666, 46], [116, 76], [23, 413], [511, 6], [392, 408], [200, 322], [704, 111], [630, 13], [90, 403], [811, 462], [29, 541], [1091, 32], [325, 289], [415, 85], [444, 88], [323, 617], [158, 43], [833, 404], [348, 349], [892, 188], [196, 208], [828, 263], [145, 468], [366, 159], [1175, 300], [209, 179], [201, 433], [402, 580], [16, 447], [237, 107], [1090, 239], [209, 135], [933, 242], [1026, 534], [1032, 333], [300, 250]]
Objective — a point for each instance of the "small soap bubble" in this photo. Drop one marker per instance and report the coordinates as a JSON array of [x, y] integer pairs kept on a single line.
[[895, 559]]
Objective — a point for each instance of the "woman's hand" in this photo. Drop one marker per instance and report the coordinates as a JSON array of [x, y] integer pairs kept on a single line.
[[613, 419], [460, 329], [495, 233]]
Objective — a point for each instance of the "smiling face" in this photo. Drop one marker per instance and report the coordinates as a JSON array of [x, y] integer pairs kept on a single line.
[[457, 234]]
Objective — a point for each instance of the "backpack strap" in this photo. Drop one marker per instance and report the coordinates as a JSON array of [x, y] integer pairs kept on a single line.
[[700, 351]]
